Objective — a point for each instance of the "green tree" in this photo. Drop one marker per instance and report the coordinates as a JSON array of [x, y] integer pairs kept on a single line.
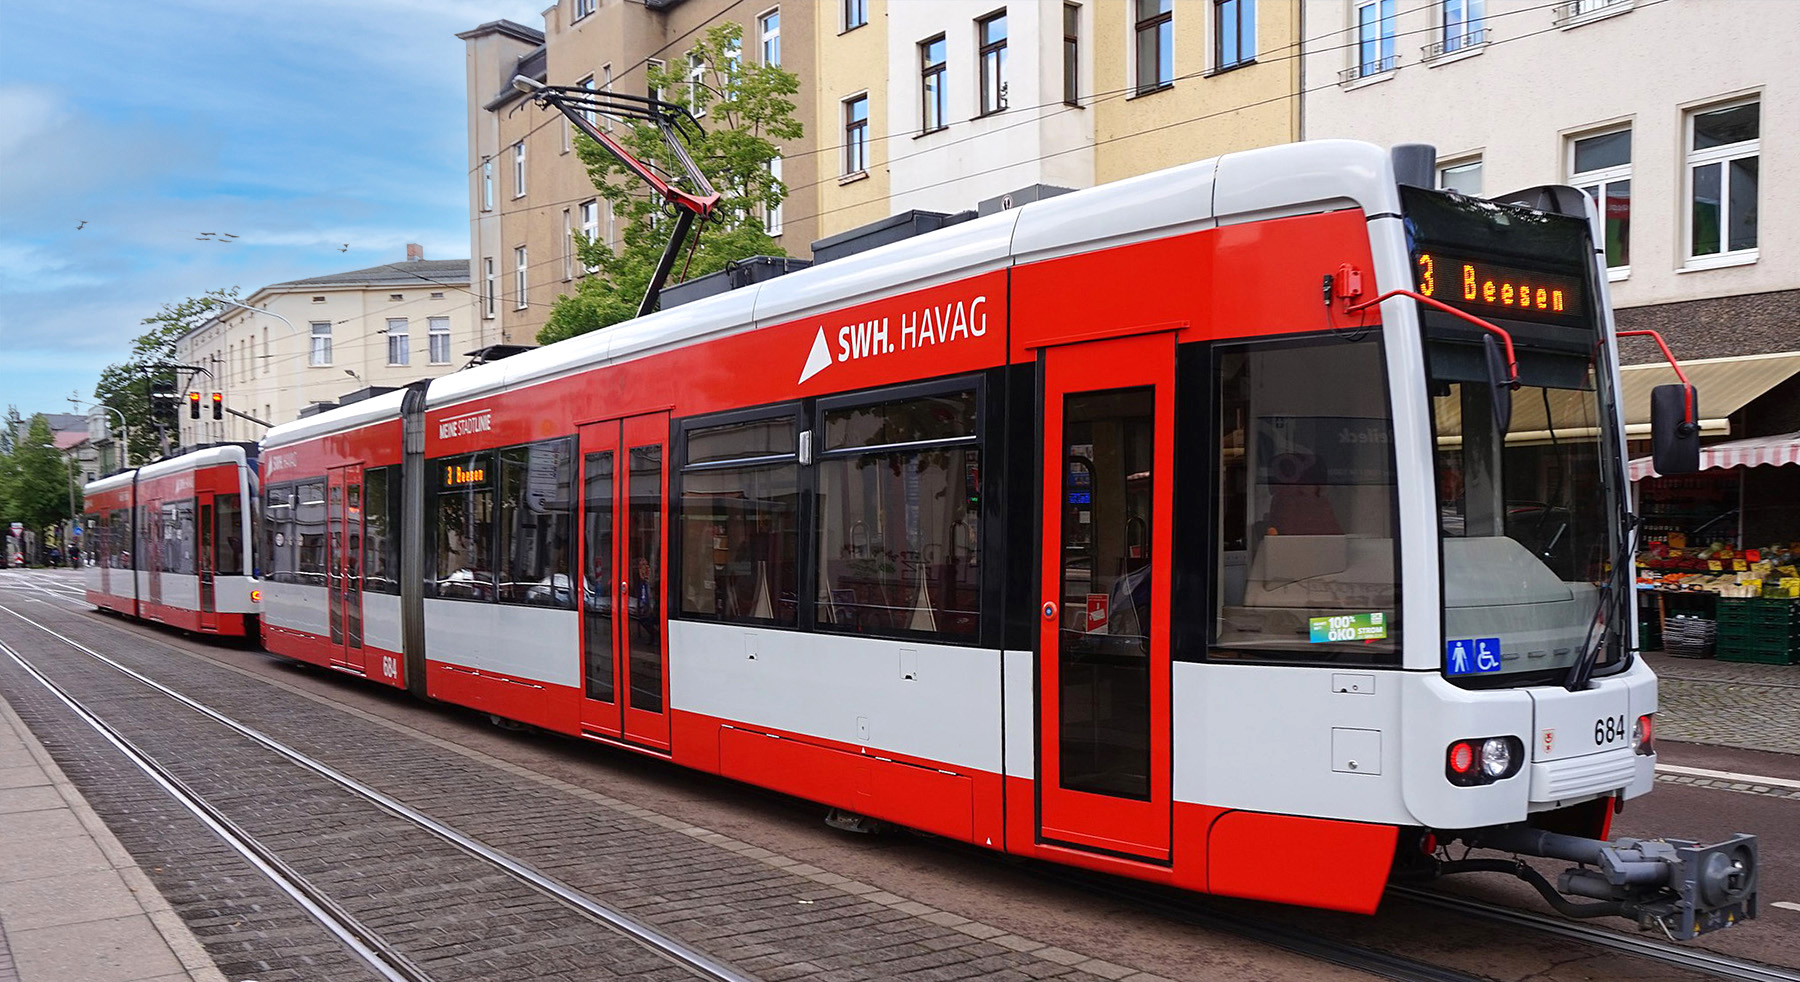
[[747, 108], [34, 478], [125, 386]]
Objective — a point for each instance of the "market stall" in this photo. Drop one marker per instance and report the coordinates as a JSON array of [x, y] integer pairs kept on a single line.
[[1719, 553]]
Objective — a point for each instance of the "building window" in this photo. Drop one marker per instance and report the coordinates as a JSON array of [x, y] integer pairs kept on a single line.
[[990, 31], [770, 26], [856, 135], [606, 86], [592, 117], [438, 329], [487, 184], [568, 245], [266, 354], [1463, 177], [856, 14], [696, 80], [1155, 45], [519, 268], [585, 7], [772, 215], [519, 169], [590, 226], [653, 68], [1234, 33], [1374, 38], [399, 341], [1601, 166], [1071, 54], [934, 111], [1465, 24], [1724, 147], [321, 343], [491, 288]]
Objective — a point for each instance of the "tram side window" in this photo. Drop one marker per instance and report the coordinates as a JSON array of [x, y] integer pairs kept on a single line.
[[463, 527], [280, 550], [1307, 565], [145, 536], [381, 530], [176, 529], [309, 532], [899, 493], [537, 488], [228, 534], [740, 526]]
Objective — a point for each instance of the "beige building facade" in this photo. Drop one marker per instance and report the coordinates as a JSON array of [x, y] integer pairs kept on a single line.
[[318, 339], [530, 196], [850, 107]]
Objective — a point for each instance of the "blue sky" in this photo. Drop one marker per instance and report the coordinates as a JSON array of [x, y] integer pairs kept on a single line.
[[301, 127]]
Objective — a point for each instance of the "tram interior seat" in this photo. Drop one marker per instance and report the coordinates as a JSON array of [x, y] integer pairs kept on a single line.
[[1323, 550]]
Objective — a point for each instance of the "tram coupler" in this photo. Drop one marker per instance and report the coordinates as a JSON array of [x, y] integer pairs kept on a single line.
[[1684, 888]]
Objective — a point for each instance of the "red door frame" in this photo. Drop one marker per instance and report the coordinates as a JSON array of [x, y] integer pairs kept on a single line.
[[205, 522], [1080, 818], [344, 581], [620, 719]]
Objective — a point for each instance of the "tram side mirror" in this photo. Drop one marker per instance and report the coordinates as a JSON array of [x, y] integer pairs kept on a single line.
[[1499, 384], [1675, 442]]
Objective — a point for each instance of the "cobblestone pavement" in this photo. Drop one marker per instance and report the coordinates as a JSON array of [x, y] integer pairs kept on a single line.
[[1729, 704]]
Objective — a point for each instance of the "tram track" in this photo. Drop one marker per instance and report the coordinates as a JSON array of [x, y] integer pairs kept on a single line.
[[386, 959]]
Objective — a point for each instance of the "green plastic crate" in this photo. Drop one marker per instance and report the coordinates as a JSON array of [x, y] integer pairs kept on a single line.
[[1779, 651]]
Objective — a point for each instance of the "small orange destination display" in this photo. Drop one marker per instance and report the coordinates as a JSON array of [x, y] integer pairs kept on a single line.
[[1507, 291], [456, 475]]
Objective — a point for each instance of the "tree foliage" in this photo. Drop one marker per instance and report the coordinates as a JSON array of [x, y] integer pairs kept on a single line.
[[34, 478], [745, 109], [125, 386]]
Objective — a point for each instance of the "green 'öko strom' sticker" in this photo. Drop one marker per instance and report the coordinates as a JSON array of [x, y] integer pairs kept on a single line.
[[1349, 627]]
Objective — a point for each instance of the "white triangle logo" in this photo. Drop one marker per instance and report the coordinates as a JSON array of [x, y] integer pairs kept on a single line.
[[819, 359]]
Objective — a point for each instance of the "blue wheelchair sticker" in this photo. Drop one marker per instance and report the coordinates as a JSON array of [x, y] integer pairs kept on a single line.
[[1472, 656]]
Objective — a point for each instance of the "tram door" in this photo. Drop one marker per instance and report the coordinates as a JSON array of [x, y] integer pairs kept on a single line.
[[1104, 665], [204, 562], [343, 565], [624, 633]]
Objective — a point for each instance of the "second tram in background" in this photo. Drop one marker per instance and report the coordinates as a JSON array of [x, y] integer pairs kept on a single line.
[[1147, 528]]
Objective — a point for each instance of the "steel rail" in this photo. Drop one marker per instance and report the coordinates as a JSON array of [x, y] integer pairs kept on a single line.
[[651, 938], [366, 944], [1692, 959]]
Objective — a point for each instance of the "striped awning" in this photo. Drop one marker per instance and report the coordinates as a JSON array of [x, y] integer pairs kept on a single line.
[[1761, 451]]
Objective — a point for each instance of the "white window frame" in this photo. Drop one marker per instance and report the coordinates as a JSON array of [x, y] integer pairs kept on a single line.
[[772, 216], [519, 169], [656, 64], [587, 114], [1722, 157], [319, 351], [1386, 59], [492, 282], [399, 342], [696, 80], [589, 212], [1446, 168], [1601, 178], [521, 279], [584, 8], [487, 184], [771, 36], [568, 245], [438, 340], [606, 85]]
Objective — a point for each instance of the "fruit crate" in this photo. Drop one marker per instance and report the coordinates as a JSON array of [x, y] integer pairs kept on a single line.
[[1689, 637], [1769, 651], [1759, 610]]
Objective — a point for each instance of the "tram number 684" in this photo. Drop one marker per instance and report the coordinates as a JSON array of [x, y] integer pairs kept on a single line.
[[1608, 729], [390, 668]]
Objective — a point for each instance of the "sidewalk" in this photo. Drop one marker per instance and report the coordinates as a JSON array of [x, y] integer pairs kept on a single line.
[[73, 903], [1727, 704]]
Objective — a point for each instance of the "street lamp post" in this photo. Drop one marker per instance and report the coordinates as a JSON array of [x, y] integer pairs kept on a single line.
[[125, 453]]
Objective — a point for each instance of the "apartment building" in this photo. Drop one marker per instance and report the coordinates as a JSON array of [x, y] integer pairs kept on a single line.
[[529, 193], [319, 339]]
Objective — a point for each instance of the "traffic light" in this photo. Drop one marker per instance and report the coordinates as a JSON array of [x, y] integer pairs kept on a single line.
[[218, 405], [165, 402], [193, 405]]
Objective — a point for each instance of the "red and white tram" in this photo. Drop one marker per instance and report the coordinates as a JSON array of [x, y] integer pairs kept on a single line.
[[169, 541], [1124, 529]]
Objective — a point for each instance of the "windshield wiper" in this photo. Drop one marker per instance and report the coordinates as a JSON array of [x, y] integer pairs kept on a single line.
[[1582, 671]]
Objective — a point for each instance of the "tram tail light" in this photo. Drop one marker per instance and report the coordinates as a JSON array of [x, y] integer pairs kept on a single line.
[[1643, 735], [1483, 760], [256, 596]]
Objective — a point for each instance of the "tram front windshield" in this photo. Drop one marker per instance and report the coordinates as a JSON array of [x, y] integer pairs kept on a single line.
[[1529, 497]]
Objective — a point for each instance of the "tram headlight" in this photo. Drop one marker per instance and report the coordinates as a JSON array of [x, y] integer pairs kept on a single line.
[[1643, 735], [1496, 758]]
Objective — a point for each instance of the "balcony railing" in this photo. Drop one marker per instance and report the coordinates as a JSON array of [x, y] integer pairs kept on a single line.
[[1367, 69], [1451, 45], [1574, 10]]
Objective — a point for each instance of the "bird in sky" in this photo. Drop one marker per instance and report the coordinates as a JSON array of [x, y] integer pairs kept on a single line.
[[344, 248], [231, 235], [82, 225]]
